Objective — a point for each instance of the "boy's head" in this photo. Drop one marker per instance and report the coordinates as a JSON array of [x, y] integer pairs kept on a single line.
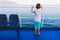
[[38, 6]]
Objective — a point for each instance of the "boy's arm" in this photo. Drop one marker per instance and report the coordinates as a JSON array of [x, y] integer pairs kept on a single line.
[[32, 9]]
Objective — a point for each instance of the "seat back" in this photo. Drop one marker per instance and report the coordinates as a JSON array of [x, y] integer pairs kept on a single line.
[[14, 20], [3, 19]]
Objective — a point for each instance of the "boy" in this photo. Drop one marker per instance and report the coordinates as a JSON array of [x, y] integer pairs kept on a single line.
[[37, 19]]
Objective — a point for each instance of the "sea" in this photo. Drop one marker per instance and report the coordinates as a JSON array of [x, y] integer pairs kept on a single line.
[[50, 15]]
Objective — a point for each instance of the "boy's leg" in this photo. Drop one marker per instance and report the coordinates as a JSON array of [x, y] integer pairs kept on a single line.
[[39, 25], [38, 31], [35, 31]]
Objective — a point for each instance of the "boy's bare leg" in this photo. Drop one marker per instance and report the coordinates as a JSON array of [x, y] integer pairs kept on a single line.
[[38, 31], [35, 31]]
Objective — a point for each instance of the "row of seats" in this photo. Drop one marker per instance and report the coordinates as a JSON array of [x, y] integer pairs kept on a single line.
[[13, 20]]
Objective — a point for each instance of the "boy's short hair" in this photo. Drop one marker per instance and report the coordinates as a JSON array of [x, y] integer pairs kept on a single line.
[[38, 6]]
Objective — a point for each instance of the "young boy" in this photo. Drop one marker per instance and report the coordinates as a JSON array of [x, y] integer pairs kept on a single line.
[[37, 18]]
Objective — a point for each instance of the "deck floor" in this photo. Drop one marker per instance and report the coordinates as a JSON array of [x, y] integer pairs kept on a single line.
[[28, 35]]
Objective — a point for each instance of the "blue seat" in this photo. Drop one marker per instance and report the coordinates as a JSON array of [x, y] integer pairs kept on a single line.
[[13, 23], [14, 20], [3, 20]]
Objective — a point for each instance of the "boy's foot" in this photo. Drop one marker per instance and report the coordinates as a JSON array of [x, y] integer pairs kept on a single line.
[[35, 33], [38, 33]]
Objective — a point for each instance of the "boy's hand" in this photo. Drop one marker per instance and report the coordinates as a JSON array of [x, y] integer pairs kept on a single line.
[[32, 7], [41, 7]]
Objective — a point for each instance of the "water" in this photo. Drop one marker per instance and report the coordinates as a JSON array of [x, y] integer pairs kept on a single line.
[[50, 16], [47, 23]]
